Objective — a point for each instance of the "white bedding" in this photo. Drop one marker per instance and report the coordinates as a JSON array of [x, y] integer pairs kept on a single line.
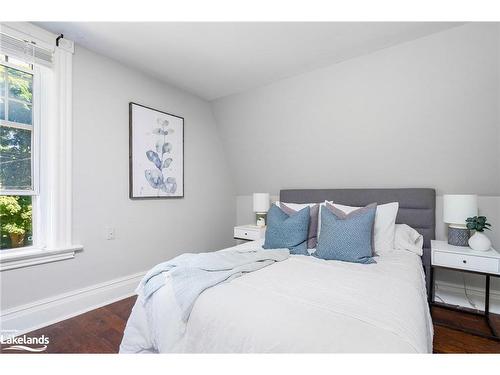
[[302, 304]]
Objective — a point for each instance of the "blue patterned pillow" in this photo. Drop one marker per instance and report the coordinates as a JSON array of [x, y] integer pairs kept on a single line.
[[287, 231], [312, 236], [346, 237]]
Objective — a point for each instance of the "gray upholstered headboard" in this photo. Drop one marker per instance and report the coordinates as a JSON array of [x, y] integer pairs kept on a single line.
[[417, 207]]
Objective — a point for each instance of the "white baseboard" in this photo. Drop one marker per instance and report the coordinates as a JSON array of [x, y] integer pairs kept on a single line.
[[38, 314], [454, 294]]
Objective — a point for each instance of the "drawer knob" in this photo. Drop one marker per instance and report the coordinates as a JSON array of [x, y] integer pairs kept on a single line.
[[246, 234], [464, 261]]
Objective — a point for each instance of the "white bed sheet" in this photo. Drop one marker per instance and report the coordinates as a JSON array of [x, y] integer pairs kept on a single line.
[[300, 305]]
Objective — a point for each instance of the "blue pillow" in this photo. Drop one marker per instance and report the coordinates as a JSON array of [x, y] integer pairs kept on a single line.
[[346, 237], [287, 231]]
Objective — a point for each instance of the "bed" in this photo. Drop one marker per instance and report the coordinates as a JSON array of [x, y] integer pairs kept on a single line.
[[305, 304]]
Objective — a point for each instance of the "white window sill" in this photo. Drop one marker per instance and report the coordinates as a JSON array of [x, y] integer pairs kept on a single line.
[[30, 256]]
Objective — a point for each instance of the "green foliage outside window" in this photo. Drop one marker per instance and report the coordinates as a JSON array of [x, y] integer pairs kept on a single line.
[[20, 85], [15, 158], [16, 107], [16, 87], [15, 221]]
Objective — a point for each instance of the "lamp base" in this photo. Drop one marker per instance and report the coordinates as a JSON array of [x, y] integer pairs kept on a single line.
[[458, 236], [261, 219]]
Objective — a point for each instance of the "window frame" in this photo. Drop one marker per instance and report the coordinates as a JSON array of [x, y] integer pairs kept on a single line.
[[52, 223]]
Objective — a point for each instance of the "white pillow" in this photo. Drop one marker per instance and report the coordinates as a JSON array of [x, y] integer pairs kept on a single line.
[[407, 238], [384, 228]]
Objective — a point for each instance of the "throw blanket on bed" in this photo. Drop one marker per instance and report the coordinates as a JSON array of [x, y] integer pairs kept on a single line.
[[190, 274]]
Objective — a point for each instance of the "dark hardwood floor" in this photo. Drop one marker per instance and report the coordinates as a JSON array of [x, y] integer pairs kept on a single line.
[[449, 336], [96, 331], [101, 330]]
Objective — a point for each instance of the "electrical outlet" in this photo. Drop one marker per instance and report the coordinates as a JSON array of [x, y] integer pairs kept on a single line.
[[110, 233]]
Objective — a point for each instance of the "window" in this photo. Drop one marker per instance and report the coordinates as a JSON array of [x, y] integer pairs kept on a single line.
[[18, 129], [35, 147]]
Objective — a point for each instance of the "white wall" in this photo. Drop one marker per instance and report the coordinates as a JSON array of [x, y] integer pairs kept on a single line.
[[420, 114], [147, 231], [425, 113]]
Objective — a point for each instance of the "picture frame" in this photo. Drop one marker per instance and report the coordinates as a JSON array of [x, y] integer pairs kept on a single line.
[[156, 153]]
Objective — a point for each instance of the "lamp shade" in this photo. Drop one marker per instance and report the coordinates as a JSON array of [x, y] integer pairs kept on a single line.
[[457, 208], [260, 202]]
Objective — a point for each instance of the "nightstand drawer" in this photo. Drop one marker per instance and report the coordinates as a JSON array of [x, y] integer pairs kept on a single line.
[[249, 233], [465, 262]]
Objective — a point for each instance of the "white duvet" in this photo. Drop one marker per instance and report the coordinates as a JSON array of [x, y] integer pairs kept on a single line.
[[300, 305]]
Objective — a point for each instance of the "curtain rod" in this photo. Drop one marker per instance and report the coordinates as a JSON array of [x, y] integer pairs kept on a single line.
[[61, 36]]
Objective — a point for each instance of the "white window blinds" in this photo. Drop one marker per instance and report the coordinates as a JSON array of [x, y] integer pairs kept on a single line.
[[25, 50]]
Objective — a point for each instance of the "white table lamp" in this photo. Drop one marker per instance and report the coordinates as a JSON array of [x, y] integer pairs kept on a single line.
[[260, 207], [456, 209]]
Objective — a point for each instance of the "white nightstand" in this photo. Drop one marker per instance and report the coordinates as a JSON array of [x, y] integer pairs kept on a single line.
[[463, 258], [249, 232]]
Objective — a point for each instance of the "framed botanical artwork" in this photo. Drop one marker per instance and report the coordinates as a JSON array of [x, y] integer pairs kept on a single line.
[[156, 153]]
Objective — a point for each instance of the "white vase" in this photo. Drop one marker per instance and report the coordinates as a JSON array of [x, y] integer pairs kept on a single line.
[[479, 242]]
